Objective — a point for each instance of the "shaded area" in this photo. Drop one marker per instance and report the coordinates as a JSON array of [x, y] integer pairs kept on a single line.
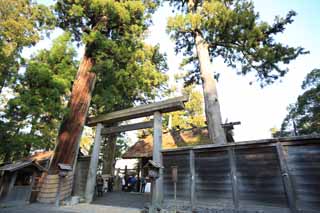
[[124, 199]]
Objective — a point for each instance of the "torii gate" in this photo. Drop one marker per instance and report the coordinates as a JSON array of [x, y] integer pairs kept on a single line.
[[155, 109]]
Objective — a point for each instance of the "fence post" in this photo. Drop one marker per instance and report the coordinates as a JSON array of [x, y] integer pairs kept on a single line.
[[193, 179], [288, 185], [235, 191]]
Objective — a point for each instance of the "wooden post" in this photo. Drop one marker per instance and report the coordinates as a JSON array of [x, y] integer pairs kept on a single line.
[[92, 173], [288, 185], [57, 202], [157, 185], [233, 173], [193, 179], [12, 182]]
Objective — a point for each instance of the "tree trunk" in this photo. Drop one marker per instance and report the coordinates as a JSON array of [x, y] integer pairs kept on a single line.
[[7, 157], [29, 144], [209, 85], [109, 154], [72, 125]]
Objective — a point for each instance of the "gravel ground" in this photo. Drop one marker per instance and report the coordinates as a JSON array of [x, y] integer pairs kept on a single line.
[[80, 208], [124, 199], [115, 202]]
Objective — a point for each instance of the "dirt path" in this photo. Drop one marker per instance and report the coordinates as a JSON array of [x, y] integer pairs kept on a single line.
[[95, 208]]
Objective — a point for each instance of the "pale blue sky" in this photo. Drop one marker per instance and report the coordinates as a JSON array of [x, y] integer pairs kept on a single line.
[[258, 109]]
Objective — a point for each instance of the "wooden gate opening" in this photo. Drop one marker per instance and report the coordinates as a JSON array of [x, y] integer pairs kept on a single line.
[[100, 122]]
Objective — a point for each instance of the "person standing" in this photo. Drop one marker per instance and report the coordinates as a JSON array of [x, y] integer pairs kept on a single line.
[[110, 184], [123, 183], [143, 184], [99, 183]]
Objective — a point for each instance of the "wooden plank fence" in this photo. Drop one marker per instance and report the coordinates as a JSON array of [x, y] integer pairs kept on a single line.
[[276, 175]]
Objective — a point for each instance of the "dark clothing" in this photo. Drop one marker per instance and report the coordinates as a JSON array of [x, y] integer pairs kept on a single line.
[[132, 183], [110, 184], [143, 184], [100, 186]]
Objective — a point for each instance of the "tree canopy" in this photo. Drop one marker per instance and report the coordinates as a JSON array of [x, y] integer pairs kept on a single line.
[[127, 71], [233, 31], [204, 30], [304, 116], [41, 92], [21, 25], [193, 115]]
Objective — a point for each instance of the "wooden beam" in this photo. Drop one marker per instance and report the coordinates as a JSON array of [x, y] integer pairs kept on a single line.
[[169, 105], [193, 179], [125, 128], [233, 173], [157, 185], [286, 177], [92, 173]]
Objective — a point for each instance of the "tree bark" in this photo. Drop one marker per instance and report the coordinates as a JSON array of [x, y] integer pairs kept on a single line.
[[209, 85], [7, 157], [109, 154], [72, 125]]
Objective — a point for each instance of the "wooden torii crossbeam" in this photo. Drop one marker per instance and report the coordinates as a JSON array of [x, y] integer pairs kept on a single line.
[[169, 105], [155, 109]]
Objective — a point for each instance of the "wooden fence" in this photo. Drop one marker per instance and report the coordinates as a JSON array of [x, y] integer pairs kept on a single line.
[[276, 175]]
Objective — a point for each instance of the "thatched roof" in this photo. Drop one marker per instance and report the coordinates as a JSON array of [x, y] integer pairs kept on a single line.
[[12, 167], [34, 160], [170, 139], [41, 156]]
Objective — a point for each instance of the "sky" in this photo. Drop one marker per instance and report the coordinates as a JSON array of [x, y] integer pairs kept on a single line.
[[257, 109]]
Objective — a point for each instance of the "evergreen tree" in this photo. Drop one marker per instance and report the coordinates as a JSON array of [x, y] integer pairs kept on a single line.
[[32, 117], [207, 29], [192, 116], [21, 25], [106, 28], [304, 116]]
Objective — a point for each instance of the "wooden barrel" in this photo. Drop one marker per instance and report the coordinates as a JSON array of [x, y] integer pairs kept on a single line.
[[49, 188]]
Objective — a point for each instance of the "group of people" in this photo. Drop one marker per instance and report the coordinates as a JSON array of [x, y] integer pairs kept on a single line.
[[134, 184], [130, 183], [104, 185]]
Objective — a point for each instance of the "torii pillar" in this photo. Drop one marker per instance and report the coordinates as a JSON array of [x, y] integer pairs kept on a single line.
[[157, 185], [92, 173]]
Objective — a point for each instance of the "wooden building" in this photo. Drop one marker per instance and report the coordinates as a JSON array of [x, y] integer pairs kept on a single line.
[[19, 180], [170, 139]]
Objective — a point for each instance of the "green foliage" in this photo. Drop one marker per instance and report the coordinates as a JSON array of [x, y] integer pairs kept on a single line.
[[192, 116], [304, 116], [126, 78], [128, 71], [21, 24], [233, 31], [33, 115], [121, 147], [92, 21]]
